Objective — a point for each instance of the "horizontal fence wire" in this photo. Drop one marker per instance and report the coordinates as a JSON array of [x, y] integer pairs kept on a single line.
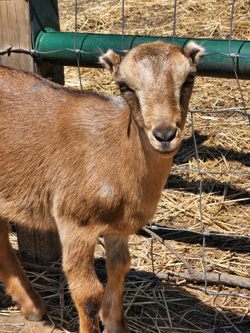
[[33, 52], [189, 233], [210, 172]]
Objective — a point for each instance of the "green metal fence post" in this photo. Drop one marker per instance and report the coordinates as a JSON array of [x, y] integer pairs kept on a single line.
[[44, 13], [58, 47]]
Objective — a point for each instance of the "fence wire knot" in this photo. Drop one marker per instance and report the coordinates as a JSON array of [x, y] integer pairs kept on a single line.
[[234, 55], [9, 50]]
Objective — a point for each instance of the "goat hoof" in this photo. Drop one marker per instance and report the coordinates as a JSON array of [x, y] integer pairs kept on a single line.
[[34, 317], [35, 313]]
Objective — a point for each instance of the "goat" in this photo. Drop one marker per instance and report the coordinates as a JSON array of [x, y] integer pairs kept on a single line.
[[90, 165]]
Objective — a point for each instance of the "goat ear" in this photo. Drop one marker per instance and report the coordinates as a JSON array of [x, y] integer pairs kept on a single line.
[[110, 60], [194, 51]]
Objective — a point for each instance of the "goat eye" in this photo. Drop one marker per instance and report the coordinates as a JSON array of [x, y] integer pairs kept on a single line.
[[186, 87], [124, 87]]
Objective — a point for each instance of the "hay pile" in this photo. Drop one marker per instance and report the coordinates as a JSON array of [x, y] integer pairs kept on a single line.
[[223, 144]]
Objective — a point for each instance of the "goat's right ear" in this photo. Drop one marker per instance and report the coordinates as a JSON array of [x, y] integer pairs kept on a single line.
[[194, 51], [111, 61]]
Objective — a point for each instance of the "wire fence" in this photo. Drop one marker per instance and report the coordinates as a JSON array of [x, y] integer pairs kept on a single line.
[[199, 170]]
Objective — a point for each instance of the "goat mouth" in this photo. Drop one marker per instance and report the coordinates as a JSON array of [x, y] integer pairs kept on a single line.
[[165, 147]]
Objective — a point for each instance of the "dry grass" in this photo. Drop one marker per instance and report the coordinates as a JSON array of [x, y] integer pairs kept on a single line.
[[223, 145]]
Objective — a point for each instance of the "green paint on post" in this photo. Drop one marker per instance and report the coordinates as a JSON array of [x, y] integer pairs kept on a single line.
[[44, 13]]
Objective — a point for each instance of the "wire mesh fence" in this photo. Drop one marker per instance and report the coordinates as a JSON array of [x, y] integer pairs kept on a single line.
[[242, 110], [197, 167]]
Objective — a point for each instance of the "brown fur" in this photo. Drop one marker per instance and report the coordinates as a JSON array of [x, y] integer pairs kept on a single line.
[[89, 165]]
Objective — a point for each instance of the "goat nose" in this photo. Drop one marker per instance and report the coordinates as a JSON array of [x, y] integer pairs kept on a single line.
[[165, 134]]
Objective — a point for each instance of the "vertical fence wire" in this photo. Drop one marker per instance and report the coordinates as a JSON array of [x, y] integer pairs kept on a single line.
[[76, 50], [203, 248], [230, 34], [123, 25], [234, 57], [19, 36], [174, 19]]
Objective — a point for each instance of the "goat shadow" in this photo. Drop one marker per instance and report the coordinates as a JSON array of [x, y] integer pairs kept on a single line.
[[209, 153], [151, 306]]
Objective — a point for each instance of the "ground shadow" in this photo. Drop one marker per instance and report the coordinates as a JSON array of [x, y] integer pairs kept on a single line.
[[240, 244], [187, 151], [153, 306], [178, 310], [209, 186], [208, 152]]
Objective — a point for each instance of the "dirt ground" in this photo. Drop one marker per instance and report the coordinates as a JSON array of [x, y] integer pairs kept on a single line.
[[15, 323], [223, 141]]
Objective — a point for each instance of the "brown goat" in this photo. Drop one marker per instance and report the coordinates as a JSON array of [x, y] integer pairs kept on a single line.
[[90, 165]]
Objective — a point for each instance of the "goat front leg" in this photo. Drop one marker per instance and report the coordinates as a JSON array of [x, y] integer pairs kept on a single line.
[[117, 265], [16, 283], [78, 244]]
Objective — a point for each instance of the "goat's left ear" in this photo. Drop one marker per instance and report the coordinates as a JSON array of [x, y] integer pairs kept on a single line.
[[194, 51], [111, 61]]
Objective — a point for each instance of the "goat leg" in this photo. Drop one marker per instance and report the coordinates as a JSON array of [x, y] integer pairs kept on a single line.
[[117, 264], [16, 283]]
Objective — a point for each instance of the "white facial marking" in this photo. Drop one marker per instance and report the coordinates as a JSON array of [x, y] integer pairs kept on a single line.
[[146, 70]]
